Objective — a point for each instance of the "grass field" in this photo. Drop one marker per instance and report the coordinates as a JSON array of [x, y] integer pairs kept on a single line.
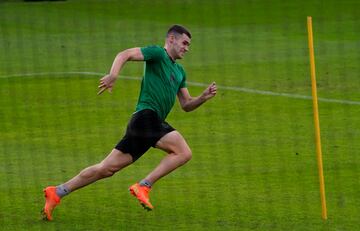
[[254, 164]]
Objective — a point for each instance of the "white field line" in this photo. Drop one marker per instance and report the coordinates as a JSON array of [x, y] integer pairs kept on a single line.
[[230, 88]]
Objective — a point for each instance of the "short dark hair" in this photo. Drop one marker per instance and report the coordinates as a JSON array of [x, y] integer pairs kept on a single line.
[[179, 30]]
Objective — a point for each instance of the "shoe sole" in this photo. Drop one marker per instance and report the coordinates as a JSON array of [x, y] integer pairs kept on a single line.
[[43, 215]]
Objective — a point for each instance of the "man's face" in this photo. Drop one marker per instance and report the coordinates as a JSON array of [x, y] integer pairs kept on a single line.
[[181, 45]]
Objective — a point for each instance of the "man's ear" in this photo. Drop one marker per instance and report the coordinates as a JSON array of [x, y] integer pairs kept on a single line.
[[171, 38]]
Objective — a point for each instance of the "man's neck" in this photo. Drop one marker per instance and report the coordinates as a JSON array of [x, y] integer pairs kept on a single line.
[[169, 54]]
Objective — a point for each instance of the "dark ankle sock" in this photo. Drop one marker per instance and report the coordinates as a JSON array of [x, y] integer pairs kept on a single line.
[[145, 183], [62, 190]]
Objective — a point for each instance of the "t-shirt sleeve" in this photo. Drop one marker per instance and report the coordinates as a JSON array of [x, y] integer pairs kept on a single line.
[[152, 53]]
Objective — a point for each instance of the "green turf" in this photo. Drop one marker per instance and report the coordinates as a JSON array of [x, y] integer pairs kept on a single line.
[[254, 164]]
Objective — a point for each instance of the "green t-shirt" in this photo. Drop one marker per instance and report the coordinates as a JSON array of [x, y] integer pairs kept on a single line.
[[162, 80]]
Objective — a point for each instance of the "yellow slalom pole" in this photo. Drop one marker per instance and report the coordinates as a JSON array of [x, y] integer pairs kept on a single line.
[[316, 118]]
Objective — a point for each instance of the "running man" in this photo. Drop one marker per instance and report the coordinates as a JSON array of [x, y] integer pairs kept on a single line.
[[163, 79]]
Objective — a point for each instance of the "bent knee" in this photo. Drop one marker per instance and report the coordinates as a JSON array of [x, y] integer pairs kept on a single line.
[[186, 155]]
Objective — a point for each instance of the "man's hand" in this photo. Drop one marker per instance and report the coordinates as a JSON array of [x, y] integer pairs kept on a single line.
[[209, 92], [106, 82]]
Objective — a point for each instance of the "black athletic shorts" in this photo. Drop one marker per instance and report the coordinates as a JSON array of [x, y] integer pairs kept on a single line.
[[144, 129]]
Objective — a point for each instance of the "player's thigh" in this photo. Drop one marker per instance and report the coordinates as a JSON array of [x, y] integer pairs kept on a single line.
[[116, 160], [173, 142]]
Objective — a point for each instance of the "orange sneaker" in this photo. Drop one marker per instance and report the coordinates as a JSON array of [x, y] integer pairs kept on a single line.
[[142, 194], [52, 200]]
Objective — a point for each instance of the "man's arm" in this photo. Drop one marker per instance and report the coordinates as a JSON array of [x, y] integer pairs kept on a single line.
[[189, 103], [108, 81]]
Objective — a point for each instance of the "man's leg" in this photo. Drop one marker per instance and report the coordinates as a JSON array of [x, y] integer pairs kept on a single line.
[[178, 154], [114, 162]]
